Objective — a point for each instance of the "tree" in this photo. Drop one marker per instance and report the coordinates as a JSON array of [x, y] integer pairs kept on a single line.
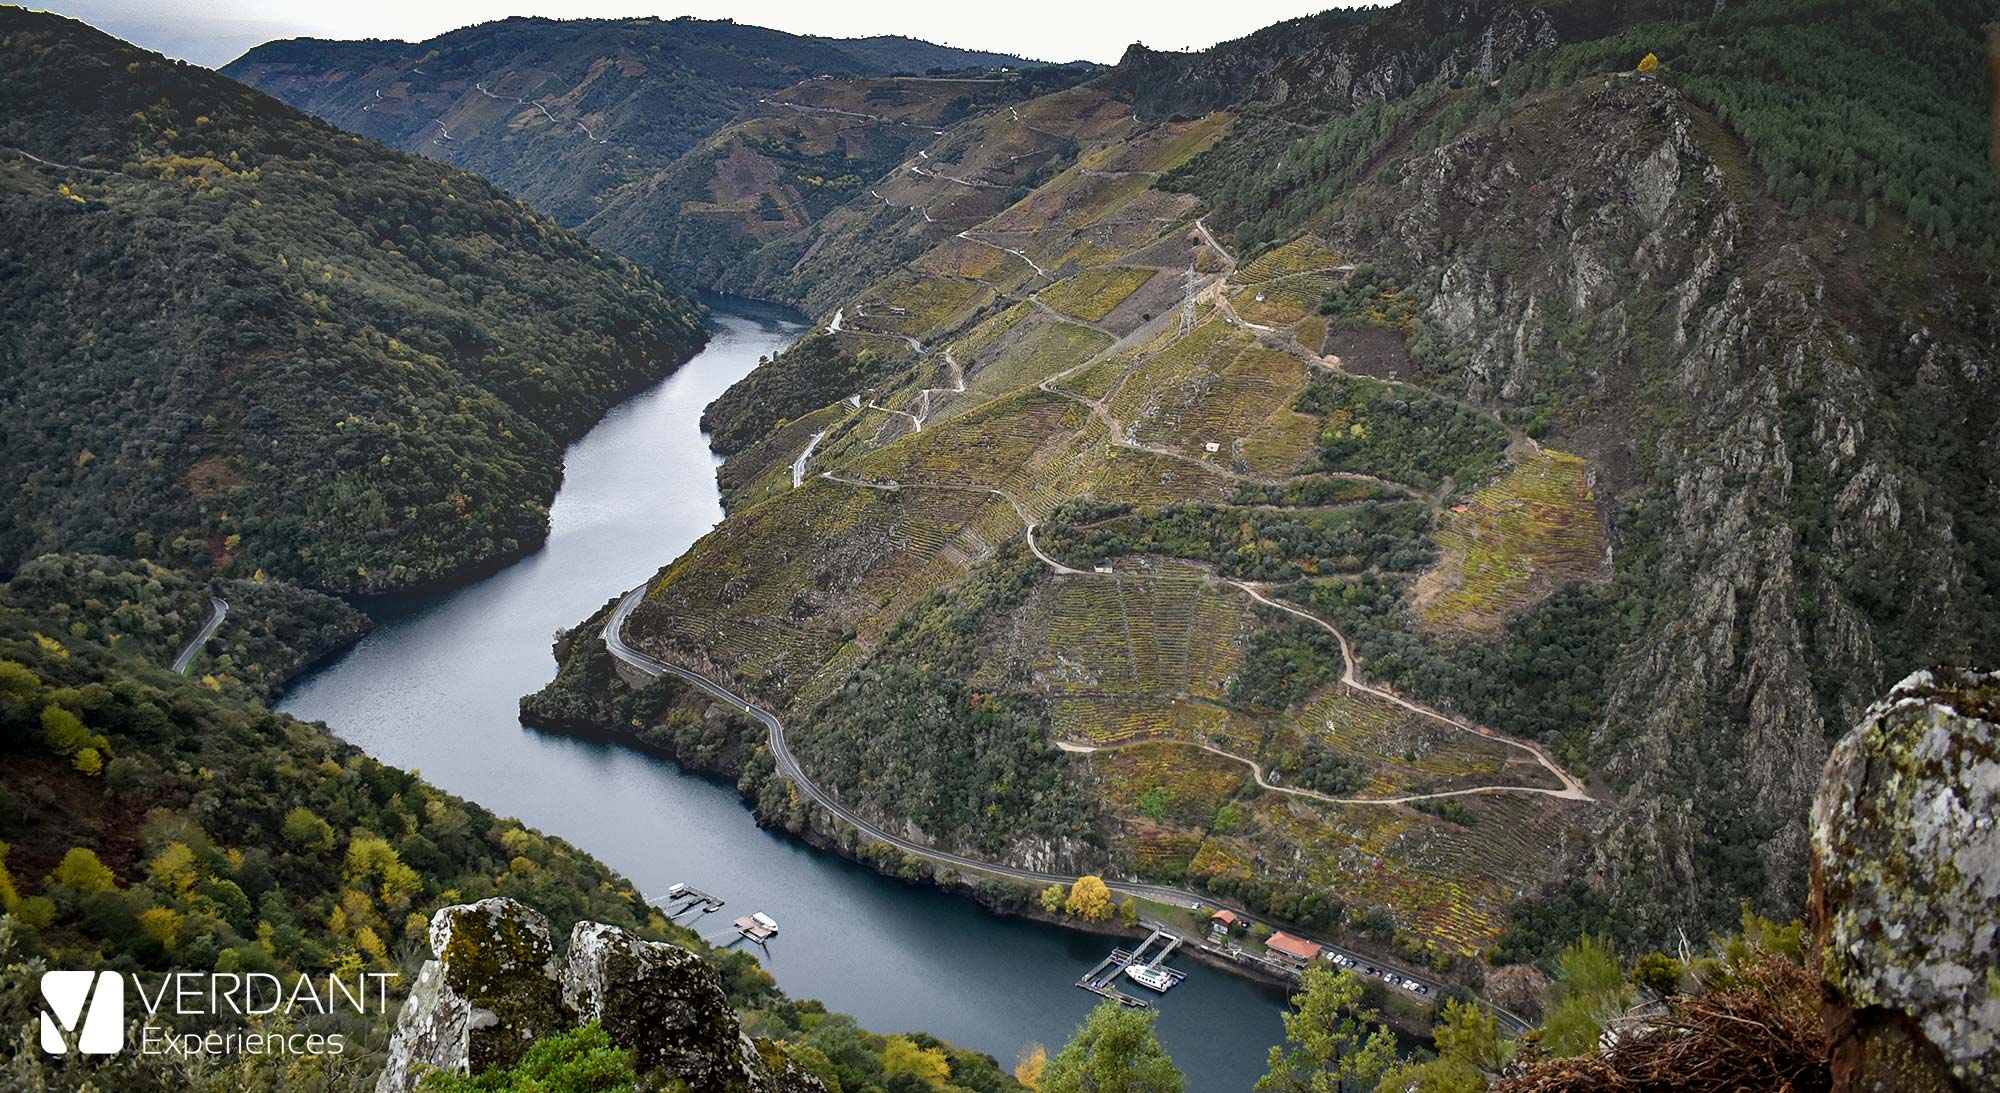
[[1128, 912], [1590, 989], [1090, 899], [64, 731], [1657, 972], [902, 1055], [304, 829], [1470, 1051], [1034, 1063], [9, 896], [1332, 1046], [83, 873], [1114, 1051], [1648, 63], [1053, 898]]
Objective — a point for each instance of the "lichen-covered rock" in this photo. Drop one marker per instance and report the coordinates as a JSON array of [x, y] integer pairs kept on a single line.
[[495, 988], [663, 1003], [489, 994], [1906, 888]]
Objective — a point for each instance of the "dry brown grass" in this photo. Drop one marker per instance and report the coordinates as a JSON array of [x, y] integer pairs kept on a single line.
[[1758, 1031]]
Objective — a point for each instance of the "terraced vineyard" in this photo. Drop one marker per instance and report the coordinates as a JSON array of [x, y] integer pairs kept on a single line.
[[1528, 532], [770, 595], [1306, 254], [1282, 300], [1093, 293], [892, 602], [1130, 636]]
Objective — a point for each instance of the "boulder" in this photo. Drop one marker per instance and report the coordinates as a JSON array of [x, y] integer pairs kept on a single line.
[[490, 992], [496, 986], [663, 1003], [1906, 889]]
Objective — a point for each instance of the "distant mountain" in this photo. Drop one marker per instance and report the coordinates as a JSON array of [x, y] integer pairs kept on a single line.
[[235, 336], [563, 112]]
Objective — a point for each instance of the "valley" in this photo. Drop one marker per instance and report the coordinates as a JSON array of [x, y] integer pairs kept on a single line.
[[1407, 502]]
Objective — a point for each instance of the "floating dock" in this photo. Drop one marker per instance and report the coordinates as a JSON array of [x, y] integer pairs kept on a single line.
[[759, 927], [682, 898], [1102, 979]]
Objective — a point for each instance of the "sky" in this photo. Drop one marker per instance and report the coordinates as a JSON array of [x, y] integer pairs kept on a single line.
[[213, 32]]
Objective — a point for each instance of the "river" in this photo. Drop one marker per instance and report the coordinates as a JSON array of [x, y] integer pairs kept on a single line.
[[434, 689]]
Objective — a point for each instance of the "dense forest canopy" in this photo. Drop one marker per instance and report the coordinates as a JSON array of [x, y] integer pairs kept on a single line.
[[238, 337]]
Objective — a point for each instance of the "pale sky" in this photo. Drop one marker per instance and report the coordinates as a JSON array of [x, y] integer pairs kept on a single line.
[[213, 32]]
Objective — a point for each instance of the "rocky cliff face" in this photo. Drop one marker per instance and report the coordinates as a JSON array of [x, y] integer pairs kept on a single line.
[[1906, 882], [1771, 406], [497, 985]]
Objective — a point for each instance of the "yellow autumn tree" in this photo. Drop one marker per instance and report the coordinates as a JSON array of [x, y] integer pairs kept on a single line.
[[1090, 898], [162, 924], [1034, 1062], [9, 895], [83, 873], [927, 1064], [1648, 63]]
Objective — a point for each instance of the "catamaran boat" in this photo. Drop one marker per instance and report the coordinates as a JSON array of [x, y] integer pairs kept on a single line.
[[1150, 976]]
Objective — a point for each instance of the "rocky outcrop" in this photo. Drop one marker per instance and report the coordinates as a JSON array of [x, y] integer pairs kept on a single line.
[[1906, 889], [1601, 252], [496, 986], [483, 1001]]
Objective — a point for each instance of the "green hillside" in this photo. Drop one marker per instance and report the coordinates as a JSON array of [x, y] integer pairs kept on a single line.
[[238, 338]]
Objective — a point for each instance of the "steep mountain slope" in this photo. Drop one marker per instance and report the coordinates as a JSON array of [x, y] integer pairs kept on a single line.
[[1767, 327], [742, 210], [1641, 420], [238, 337], [1137, 686], [564, 112]]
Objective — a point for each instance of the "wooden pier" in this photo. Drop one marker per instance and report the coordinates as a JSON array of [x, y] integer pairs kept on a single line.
[[1102, 979], [682, 898]]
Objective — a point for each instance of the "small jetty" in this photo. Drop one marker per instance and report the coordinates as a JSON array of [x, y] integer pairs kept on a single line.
[[1143, 965], [759, 927], [682, 898]]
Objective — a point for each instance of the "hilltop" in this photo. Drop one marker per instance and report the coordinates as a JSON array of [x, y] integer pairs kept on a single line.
[[241, 339], [1376, 469], [682, 143]]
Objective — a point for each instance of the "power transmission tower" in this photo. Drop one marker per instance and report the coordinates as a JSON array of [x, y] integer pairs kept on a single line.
[[1187, 306]]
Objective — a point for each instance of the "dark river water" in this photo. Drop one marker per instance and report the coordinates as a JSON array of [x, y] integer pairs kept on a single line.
[[434, 688]]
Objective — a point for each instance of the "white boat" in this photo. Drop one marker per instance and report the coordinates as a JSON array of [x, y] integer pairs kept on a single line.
[[1150, 976], [766, 921]]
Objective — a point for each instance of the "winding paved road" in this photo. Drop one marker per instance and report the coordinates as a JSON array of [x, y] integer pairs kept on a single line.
[[218, 609], [788, 767]]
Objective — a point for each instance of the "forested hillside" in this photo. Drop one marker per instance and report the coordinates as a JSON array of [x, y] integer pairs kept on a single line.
[[149, 824], [238, 338]]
